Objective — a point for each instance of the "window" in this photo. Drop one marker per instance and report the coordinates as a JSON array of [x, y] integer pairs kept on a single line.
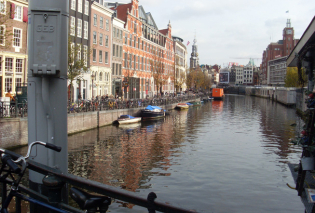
[[2, 35], [78, 52], [3, 7], [120, 32], [117, 51], [113, 70], [114, 49], [114, 32], [80, 6], [72, 26], [94, 37], [126, 59], [106, 40], [101, 76], [73, 4], [120, 52], [119, 69], [106, 57], [101, 39], [18, 82], [138, 43], [8, 65], [94, 55], [100, 56], [134, 62], [86, 7], [101, 22], [17, 35], [107, 24], [95, 20], [126, 38], [85, 48], [138, 62], [135, 41], [130, 41], [18, 65], [8, 84], [79, 28], [135, 27], [85, 31], [18, 13]]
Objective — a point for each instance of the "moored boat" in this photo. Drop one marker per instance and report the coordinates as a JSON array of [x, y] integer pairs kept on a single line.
[[217, 93], [181, 106], [195, 103], [152, 112], [128, 119]]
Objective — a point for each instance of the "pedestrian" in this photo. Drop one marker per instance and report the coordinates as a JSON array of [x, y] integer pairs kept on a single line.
[[8, 94]]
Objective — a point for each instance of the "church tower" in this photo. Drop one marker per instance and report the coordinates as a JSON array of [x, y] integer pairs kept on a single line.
[[194, 59]]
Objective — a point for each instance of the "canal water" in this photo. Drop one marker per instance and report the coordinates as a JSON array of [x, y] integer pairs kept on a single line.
[[224, 156]]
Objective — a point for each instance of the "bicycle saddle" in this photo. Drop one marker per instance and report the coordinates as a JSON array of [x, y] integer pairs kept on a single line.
[[88, 201]]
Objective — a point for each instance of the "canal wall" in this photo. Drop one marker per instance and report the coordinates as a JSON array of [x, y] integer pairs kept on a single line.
[[14, 131], [287, 96]]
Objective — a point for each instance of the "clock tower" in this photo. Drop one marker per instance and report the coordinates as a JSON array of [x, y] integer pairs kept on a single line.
[[194, 59], [288, 38]]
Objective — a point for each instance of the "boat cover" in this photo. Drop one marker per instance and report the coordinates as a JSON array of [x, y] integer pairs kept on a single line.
[[126, 116], [152, 107], [189, 104]]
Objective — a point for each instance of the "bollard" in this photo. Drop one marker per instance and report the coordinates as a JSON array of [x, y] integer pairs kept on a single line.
[[54, 186]]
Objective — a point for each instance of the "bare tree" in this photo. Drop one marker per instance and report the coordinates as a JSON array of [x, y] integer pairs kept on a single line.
[[157, 70]]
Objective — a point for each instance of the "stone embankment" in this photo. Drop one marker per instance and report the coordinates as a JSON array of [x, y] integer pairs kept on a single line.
[[14, 131]]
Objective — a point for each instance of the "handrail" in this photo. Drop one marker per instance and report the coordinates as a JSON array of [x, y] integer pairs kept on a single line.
[[102, 188]]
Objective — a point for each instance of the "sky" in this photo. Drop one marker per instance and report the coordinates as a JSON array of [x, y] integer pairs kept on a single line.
[[229, 30]]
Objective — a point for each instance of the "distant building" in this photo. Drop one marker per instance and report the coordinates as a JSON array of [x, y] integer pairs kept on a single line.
[[194, 59], [239, 76], [248, 74], [13, 49], [277, 70], [180, 51], [278, 49]]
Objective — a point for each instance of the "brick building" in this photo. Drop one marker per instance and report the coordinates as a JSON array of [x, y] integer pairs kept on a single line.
[[101, 45], [278, 49], [79, 31], [13, 47], [143, 42]]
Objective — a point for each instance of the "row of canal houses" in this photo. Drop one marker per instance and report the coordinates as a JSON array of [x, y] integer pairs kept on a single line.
[[116, 40]]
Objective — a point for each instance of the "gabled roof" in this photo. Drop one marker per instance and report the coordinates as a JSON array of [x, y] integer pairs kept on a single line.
[[122, 11], [164, 32]]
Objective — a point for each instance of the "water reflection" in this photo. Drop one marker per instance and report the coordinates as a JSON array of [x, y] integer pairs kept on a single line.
[[224, 156]]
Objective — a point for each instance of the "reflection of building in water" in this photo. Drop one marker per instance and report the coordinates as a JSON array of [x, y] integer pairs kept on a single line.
[[124, 158]]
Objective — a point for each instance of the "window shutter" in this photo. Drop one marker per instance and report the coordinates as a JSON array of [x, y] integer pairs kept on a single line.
[[12, 10], [25, 14]]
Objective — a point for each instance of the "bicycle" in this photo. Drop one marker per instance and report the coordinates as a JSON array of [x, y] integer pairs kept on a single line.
[[14, 166]]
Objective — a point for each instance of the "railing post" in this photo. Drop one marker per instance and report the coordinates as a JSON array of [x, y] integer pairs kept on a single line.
[[54, 186]]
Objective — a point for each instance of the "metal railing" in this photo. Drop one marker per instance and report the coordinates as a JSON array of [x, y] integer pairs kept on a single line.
[[88, 185], [15, 109]]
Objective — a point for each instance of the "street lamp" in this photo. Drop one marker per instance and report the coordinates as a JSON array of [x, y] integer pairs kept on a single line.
[[92, 77]]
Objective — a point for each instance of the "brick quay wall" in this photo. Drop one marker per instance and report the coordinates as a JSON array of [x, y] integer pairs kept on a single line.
[[14, 131]]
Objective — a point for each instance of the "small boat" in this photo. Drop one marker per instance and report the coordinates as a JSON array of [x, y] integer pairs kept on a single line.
[[128, 119], [152, 112], [181, 106], [189, 104], [196, 103], [217, 93]]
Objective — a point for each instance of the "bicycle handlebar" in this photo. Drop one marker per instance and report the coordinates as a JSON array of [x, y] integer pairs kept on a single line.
[[53, 147], [6, 159]]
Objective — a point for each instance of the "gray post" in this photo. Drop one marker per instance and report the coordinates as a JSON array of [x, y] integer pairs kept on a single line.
[[47, 83]]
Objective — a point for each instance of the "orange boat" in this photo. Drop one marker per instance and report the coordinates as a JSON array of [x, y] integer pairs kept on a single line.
[[217, 93]]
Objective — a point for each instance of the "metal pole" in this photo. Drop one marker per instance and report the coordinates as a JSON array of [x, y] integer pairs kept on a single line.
[[47, 83]]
